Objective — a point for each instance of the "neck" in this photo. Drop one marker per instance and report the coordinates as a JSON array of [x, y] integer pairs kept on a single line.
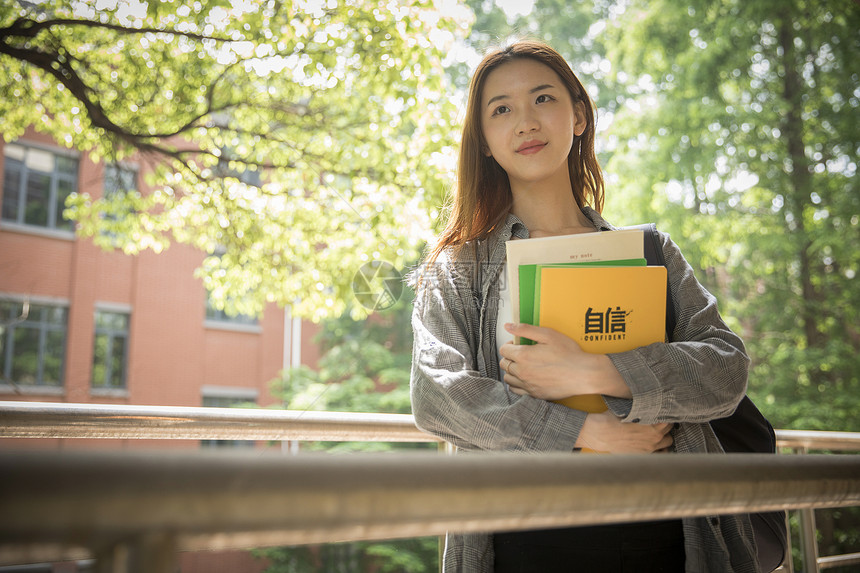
[[549, 210]]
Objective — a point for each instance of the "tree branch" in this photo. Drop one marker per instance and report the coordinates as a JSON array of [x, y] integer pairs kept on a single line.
[[53, 59], [59, 65], [28, 28]]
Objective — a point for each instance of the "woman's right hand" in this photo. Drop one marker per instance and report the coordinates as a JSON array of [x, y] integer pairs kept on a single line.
[[606, 433]]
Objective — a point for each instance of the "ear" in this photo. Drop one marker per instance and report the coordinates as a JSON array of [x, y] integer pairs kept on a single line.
[[579, 121]]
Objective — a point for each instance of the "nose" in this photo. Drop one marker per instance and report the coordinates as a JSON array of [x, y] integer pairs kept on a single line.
[[528, 123]]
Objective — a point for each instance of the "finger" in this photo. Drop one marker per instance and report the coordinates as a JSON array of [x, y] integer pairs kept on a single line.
[[508, 349], [665, 443], [518, 391], [515, 384], [539, 334]]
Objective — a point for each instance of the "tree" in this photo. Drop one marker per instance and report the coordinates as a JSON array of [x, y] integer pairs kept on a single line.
[[730, 124], [566, 26], [365, 368], [739, 136], [292, 142], [739, 131]]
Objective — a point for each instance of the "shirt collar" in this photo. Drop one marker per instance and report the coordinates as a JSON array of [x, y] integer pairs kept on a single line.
[[600, 223], [514, 226]]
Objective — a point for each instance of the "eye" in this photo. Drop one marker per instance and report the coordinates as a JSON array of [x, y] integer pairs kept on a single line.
[[500, 110], [543, 98]]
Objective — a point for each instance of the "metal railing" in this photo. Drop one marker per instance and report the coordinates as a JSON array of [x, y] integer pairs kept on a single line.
[[801, 442], [805, 440], [136, 507], [57, 420]]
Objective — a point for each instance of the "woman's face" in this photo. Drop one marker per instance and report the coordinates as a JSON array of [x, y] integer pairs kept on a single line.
[[528, 120]]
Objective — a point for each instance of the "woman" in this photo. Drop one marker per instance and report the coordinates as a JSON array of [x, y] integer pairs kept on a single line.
[[528, 169]]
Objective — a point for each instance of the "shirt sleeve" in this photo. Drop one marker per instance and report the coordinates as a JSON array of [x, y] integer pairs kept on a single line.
[[701, 375], [451, 396]]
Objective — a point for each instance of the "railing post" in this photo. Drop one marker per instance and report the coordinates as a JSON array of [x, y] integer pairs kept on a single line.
[[113, 559], [448, 449], [808, 540], [788, 562], [156, 553], [148, 553]]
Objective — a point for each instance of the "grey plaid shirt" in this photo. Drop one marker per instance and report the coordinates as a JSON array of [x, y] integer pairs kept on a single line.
[[457, 393]]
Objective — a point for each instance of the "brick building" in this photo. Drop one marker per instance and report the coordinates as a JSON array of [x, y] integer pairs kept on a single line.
[[82, 325]]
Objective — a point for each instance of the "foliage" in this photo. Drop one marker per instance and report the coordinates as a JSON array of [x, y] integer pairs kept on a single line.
[[567, 26], [738, 135], [730, 125], [289, 140], [364, 369], [418, 555]]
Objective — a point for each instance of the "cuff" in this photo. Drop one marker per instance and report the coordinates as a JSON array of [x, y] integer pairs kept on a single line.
[[561, 429], [643, 384], [619, 406]]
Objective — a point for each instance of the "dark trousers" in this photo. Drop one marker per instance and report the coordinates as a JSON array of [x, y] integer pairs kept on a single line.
[[650, 547]]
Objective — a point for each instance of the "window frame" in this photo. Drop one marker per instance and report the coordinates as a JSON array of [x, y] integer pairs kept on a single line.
[[56, 224], [113, 335], [232, 396], [43, 327], [219, 319]]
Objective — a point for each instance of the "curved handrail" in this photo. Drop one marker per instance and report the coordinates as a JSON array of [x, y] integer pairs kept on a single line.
[[19, 419], [218, 500]]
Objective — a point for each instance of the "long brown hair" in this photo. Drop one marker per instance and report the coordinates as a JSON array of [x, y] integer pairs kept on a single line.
[[483, 195]]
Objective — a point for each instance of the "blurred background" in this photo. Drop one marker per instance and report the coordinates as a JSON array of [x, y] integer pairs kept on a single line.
[[190, 192]]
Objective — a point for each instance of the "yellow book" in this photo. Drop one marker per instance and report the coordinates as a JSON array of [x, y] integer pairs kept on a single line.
[[605, 310], [580, 248]]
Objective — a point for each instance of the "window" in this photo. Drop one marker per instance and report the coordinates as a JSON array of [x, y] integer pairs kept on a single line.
[[110, 350], [221, 317], [36, 184], [214, 397], [32, 343]]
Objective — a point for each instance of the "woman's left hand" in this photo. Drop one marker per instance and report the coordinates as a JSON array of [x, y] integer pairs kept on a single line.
[[556, 367]]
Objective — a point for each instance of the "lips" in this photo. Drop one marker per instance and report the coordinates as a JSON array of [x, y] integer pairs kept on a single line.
[[530, 147]]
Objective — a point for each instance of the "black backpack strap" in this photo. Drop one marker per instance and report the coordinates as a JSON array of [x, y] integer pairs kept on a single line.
[[654, 257]]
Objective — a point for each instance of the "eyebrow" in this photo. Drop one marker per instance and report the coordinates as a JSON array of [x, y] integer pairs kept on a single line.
[[531, 91]]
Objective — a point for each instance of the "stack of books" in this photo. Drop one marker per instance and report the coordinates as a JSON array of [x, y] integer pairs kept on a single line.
[[594, 287]]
